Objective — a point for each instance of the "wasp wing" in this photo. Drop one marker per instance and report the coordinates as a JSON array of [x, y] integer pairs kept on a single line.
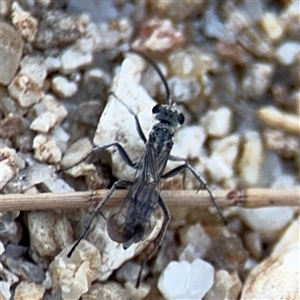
[[135, 220]]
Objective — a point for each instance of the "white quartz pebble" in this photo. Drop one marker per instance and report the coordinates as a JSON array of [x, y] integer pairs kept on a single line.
[[287, 52], [63, 87], [183, 280], [217, 123], [44, 122], [268, 221]]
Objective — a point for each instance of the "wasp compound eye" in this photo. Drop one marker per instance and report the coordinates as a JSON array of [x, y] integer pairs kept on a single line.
[[156, 109], [180, 118]]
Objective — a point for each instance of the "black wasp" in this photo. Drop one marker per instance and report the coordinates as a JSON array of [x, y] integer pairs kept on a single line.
[[134, 220]]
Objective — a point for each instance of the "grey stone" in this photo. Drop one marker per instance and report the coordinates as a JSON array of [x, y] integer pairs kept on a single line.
[[11, 46]]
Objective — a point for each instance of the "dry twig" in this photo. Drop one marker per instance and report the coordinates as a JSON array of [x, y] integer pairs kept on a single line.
[[225, 198]]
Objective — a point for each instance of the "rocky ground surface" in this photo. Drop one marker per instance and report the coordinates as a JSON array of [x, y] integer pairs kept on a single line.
[[233, 70]]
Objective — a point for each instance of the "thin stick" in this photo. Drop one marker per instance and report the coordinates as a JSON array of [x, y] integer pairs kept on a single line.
[[225, 198]]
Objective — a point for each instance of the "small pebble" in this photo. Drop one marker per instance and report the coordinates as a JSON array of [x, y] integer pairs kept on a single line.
[[273, 26], [272, 169], [34, 68], [179, 10], [129, 271], [8, 166], [97, 74], [183, 280], [76, 152], [184, 89], [11, 46], [77, 56], [110, 34], [159, 35], [227, 252], [89, 171], [9, 229], [11, 126], [2, 249], [232, 53], [9, 105], [108, 291], [253, 242], [56, 184], [268, 221], [63, 232], [217, 123], [58, 29], [251, 158], [25, 23], [288, 53], [226, 286], [14, 251], [46, 149], [140, 293], [286, 145], [26, 91], [42, 231], [5, 293], [195, 243], [285, 181], [242, 27], [220, 164], [192, 62], [63, 87], [53, 64], [44, 122], [280, 95], [290, 17], [90, 112], [4, 8], [74, 275], [257, 79], [227, 147], [29, 290], [213, 27], [8, 277], [196, 137], [50, 104], [218, 169], [35, 174], [24, 269]]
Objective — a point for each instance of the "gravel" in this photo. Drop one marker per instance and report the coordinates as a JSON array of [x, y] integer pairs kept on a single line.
[[233, 70]]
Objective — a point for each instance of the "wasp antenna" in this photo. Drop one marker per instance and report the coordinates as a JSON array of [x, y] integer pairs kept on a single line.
[[158, 70]]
